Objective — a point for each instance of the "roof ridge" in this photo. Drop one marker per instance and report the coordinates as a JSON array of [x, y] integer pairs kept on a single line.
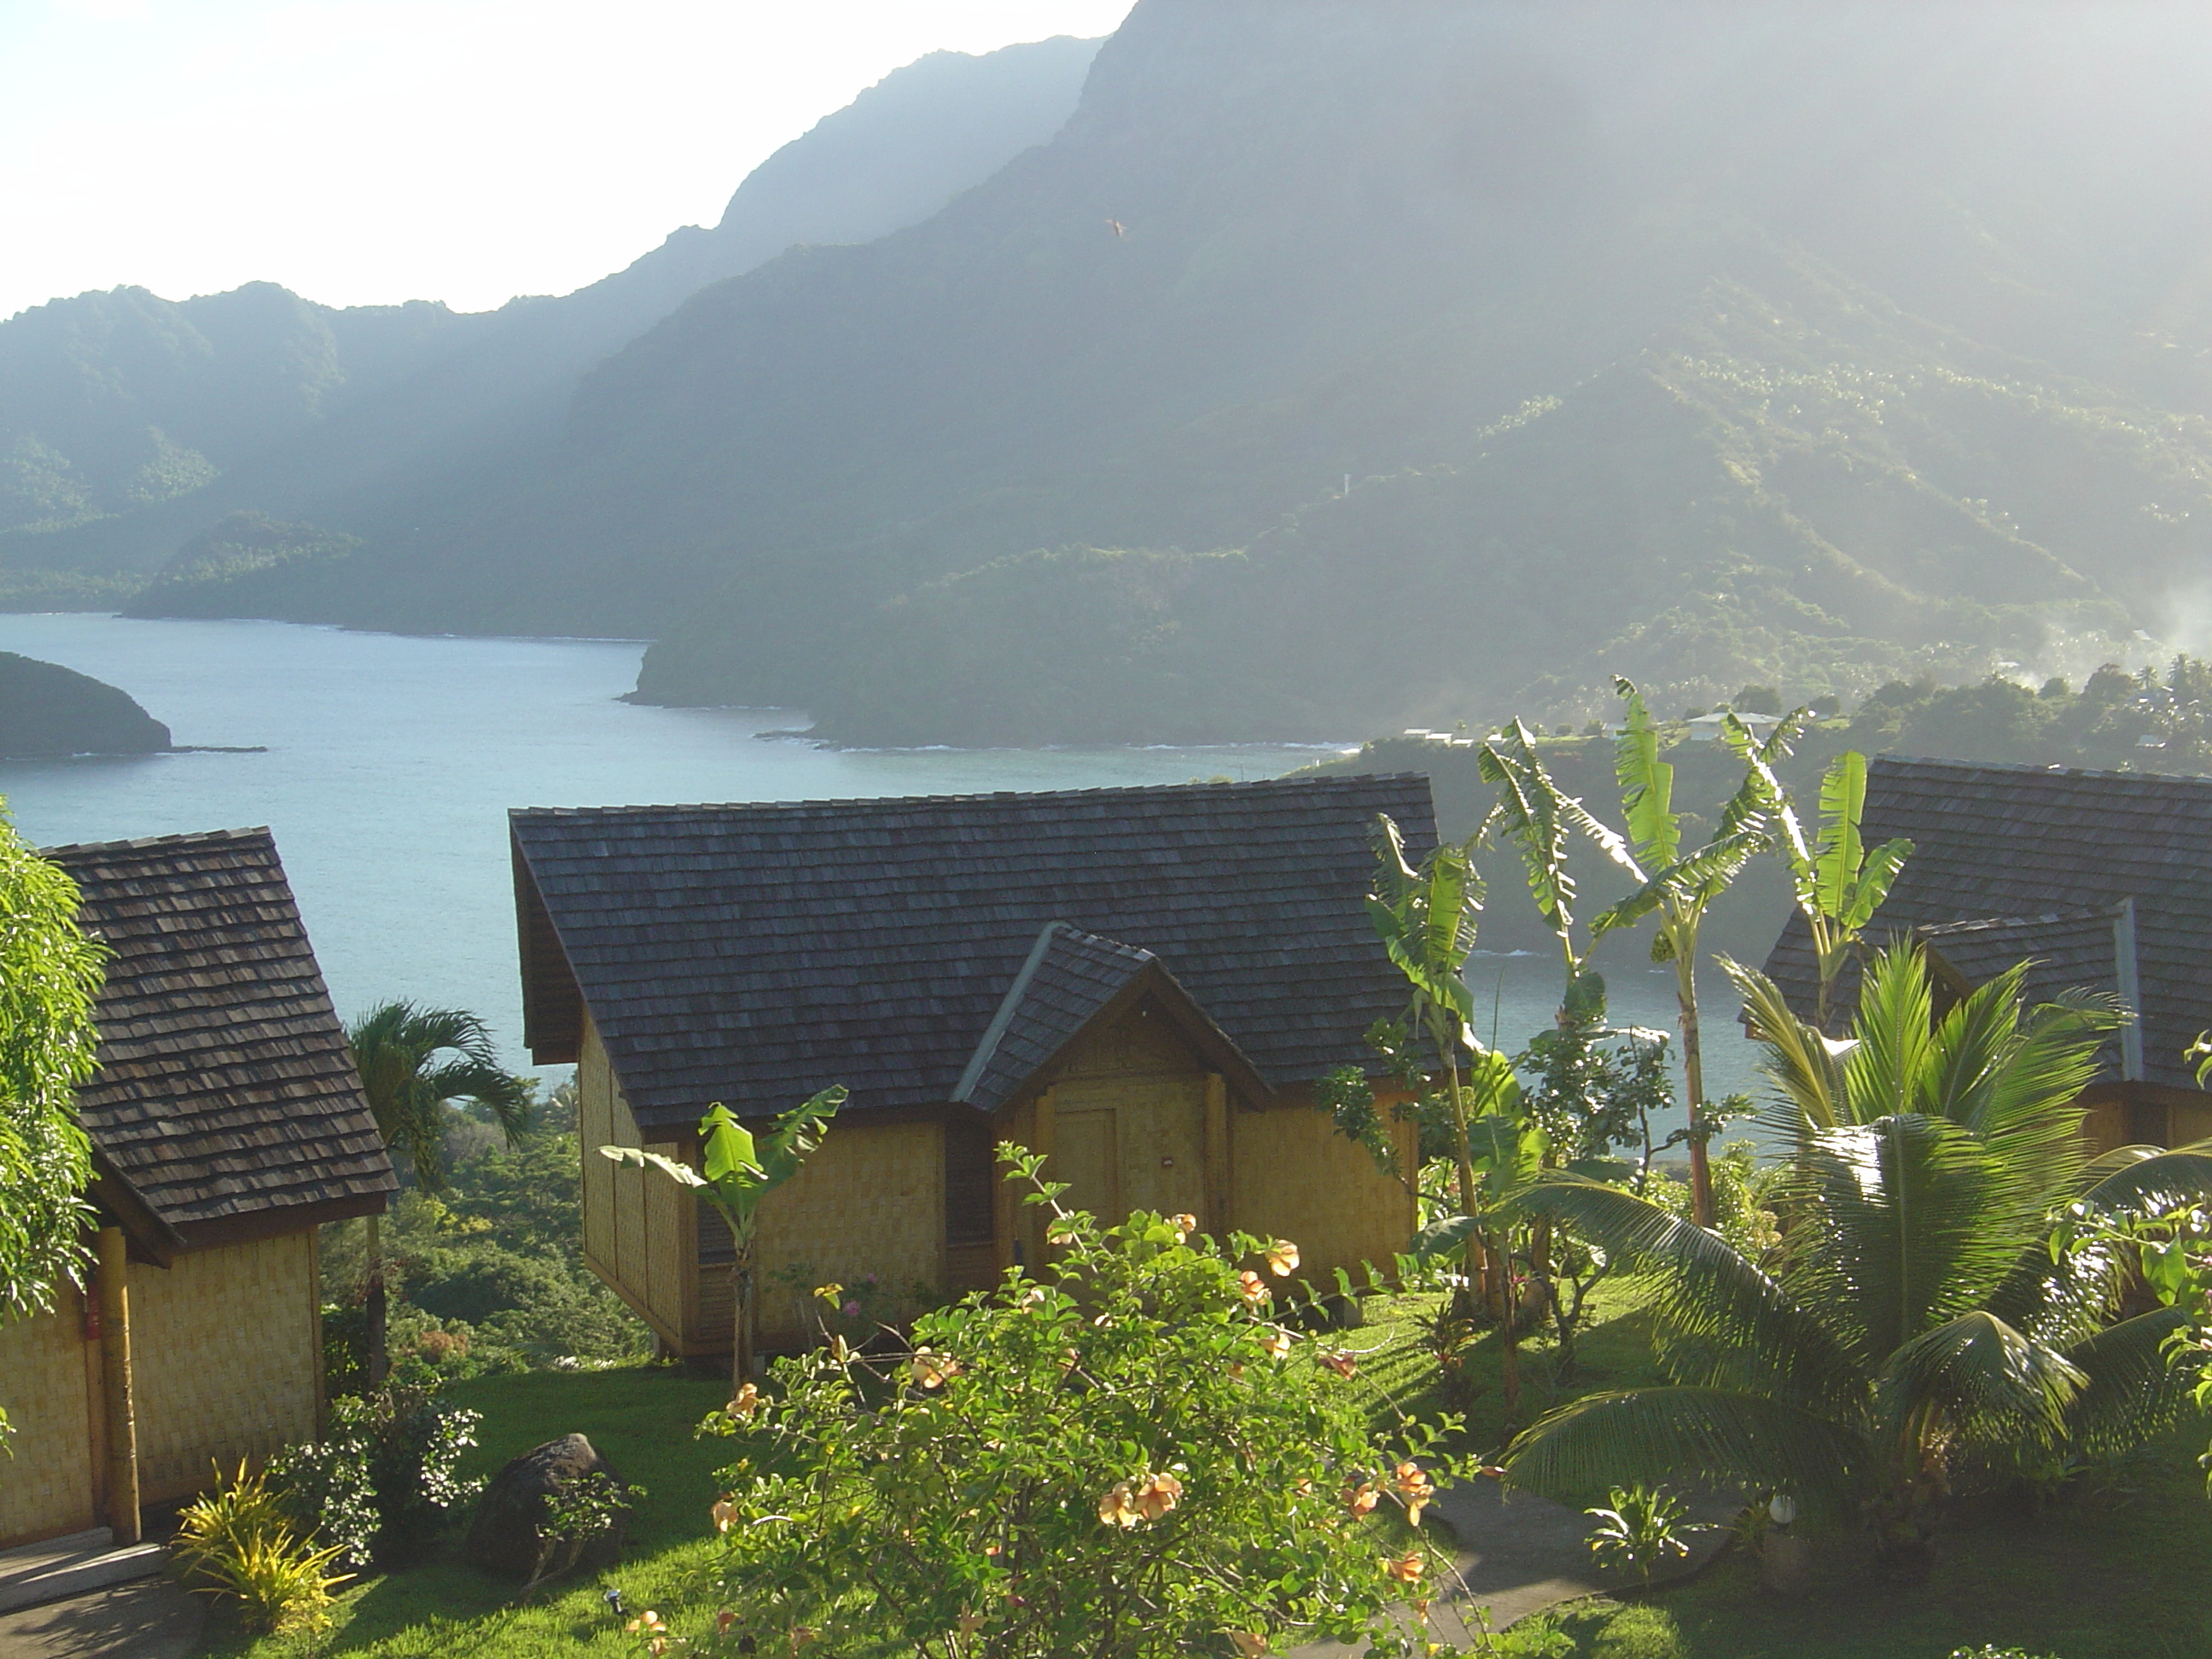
[[1250, 786], [2034, 769], [180, 838]]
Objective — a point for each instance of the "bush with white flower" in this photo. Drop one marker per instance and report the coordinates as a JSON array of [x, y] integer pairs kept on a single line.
[[1130, 1452]]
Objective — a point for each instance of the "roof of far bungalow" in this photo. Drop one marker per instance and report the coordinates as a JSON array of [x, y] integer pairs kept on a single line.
[[935, 950], [226, 1106], [2101, 880]]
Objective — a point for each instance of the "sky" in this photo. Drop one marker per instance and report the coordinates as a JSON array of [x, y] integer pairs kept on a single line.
[[364, 152]]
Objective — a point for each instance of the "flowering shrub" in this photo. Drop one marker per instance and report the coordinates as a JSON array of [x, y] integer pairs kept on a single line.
[[383, 1479], [1127, 1455]]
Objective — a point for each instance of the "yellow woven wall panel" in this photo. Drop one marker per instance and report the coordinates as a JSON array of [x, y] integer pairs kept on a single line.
[[222, 1350], [1295, 1177], [46, 1487], [595, 1127], [870, 1199]]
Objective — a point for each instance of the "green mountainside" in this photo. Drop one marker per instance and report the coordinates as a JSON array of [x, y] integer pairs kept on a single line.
[[48, 709], [130, 425], [1342, 365]]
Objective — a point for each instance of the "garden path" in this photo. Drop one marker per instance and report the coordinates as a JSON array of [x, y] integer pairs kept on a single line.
[[144, 1619], [1519, 1553]]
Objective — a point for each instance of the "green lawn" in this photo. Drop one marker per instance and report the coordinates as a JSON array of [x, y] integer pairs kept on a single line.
[[642, 1420], [2116, 1576], [2112, 1574]]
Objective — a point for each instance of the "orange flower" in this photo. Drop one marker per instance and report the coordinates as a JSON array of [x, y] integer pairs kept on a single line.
[[748, 1401], [933, 1370], [1118, 1508], [725, 1513], [1416, 1488], [1362, 1498], [1277, 1342], [1184, 1224], [1283, 1257], [1407, 1569], [647, 1623], [1157, 1495], [1340, 1361], [1248, 1643], [1252, 1287]]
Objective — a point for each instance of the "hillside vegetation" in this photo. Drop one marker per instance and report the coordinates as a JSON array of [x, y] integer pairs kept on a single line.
[[130, 425], [1342, 365]]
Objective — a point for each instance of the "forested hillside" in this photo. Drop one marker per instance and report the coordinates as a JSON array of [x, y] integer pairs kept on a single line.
[[1340, 366], [130, 425]]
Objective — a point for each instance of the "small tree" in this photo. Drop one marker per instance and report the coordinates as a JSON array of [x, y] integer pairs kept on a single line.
[[1683, 888], [739, 1172], [1127, 1457], [412, 1061], [1839, 883], [50, 973]]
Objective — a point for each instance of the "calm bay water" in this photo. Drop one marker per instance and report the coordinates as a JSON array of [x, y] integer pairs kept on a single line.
[[391, 763]]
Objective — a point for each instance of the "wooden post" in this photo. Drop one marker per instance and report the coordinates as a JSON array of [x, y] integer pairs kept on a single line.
[[1218, 1220], [121, 1420]]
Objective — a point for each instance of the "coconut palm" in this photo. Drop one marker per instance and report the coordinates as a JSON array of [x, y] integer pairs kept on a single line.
[[413, 1061], [1916, 1322]]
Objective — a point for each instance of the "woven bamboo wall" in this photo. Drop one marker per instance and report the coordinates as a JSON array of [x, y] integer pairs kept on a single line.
[[224, 1354], [870, 1199], [46, 1488], [1294, 1177], [636, 1222]]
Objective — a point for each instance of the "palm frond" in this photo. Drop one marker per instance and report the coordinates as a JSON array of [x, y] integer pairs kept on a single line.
[[2135, 1390], [1991, 1379], [2156, 1184], [1717, 1436], [1887, 1073], [1726, 1322], [1900, 1225], [396, 1048], [1804, 1069]]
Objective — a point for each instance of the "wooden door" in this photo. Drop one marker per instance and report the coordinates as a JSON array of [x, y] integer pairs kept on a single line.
[[1132, 1143]]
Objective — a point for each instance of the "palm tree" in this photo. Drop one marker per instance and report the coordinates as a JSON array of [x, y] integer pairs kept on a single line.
[[1915, 1318], [412, 1061]]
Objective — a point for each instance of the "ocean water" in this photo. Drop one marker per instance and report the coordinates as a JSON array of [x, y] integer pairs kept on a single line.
[[388, 764]]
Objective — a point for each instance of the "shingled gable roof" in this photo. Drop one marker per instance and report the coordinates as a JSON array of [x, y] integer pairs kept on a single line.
[[1071, 979], [226, 1105], [753, 954], [2041, 858]]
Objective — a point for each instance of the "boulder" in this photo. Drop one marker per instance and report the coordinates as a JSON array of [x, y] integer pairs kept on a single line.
[[507, 1536]]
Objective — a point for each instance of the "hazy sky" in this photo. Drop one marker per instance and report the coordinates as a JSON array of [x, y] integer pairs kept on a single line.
[[367, 151]]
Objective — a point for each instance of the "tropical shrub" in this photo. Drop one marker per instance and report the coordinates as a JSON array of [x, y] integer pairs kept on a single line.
[[382, 1483], [1919, 1316], [1127, 1455], [240, 1541], [1638, 1530]]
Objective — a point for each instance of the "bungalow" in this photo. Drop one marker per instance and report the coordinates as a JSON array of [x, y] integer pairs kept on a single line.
[[2102, 879], [227, 1124], [1142, 984]]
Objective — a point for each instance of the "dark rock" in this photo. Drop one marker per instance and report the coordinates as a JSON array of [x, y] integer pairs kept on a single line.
[[506, 1539], [48, 709]]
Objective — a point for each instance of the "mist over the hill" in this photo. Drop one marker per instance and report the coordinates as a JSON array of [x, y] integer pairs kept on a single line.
[[1337, 366]]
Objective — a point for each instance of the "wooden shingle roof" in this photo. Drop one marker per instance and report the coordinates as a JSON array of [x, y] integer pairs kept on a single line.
[[225, 1097], [753, 954], [2041, 859]]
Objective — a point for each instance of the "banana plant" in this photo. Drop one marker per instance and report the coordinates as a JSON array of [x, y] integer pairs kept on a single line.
[[1684, 886], [1540, 820], [1425, 917], [1838, 882], [739, 1170]]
